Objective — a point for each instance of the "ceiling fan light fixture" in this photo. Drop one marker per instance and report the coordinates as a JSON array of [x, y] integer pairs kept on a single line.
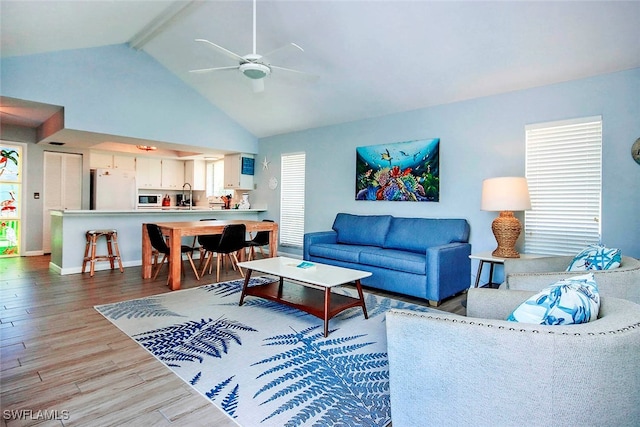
[[254, 70]]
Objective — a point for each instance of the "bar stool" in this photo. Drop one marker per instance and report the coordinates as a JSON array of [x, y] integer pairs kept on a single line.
[[113, 253]]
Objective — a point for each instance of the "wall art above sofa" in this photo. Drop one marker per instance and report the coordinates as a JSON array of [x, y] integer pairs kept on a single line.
[[401, 171]]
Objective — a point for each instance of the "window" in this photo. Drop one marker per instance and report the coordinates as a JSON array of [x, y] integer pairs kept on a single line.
[[564, 173], [292, 200], [215, 178]]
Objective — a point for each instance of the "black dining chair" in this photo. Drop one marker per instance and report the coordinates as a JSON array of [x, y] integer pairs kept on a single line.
[[261, 239], [232, 240], [198, 240], [160, 245]]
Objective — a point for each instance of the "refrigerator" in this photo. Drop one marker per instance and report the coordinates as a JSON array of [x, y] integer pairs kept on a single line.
[[113, 189]]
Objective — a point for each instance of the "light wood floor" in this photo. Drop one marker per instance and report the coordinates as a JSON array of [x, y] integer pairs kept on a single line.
[[57, 354]]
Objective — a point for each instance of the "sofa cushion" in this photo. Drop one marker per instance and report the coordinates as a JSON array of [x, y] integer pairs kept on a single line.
[[566, 302], [596, 257], [391, 259], [361, 229], [418, 234], [347, 253]]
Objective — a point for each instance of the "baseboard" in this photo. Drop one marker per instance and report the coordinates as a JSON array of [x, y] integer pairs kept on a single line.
[[33, 253], [101, 265]]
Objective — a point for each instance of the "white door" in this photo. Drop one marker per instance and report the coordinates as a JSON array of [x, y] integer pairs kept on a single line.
[[62, 188]]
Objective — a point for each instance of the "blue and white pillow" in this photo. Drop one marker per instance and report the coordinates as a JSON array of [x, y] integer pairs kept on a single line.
[[566, 302], [596, 257]]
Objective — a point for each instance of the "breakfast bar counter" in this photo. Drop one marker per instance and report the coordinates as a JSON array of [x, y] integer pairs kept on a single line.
[[68, 228]]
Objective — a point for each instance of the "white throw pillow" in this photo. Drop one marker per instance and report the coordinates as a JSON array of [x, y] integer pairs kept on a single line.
[[568, 301], [596, 257]]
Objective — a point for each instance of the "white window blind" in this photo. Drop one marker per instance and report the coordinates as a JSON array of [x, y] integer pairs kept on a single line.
[[292, 199], [564, 173]]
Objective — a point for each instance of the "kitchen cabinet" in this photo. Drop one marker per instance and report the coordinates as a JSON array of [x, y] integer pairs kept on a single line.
[[233, 176], [172, 174], [195, 174], [99, 160], [149, 172]]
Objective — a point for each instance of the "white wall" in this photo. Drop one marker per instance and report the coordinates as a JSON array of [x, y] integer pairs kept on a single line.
[[479, 139]]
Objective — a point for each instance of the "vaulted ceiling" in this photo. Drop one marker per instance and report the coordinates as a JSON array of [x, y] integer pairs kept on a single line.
[[372, 58]]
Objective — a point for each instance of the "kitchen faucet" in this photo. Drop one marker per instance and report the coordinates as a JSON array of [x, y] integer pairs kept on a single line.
[[190, 194]]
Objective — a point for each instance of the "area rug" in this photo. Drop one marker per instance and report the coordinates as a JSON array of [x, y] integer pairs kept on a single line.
[[266, 364]]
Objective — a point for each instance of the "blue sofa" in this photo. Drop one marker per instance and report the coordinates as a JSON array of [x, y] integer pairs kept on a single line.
[[421, 257]]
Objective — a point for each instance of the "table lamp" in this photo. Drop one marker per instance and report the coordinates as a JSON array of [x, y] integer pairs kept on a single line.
[[505, 195]]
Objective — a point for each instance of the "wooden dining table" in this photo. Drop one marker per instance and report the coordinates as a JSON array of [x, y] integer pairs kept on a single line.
[[176, 230]]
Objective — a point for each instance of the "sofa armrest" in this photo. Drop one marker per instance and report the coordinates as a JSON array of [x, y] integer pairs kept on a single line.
[[318, 237], [536, 265], [448, 270]]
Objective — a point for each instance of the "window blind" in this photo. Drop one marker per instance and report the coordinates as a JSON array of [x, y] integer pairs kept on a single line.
[[564, 174], [292, 199]]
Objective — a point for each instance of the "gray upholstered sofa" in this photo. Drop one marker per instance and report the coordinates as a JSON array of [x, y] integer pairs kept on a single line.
[[480, 370], [422, 257], [536, 274]]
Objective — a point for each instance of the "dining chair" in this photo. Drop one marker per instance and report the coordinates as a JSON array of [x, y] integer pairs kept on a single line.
[[232, 240], [258, 241], [159, 244]]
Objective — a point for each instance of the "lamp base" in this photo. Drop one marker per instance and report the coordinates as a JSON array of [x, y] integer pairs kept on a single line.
[[506, 229]]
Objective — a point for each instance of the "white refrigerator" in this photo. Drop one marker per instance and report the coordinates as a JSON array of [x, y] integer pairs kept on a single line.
[[113, 189]]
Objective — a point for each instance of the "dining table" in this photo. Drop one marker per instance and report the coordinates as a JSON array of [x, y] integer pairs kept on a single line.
[[175, 231]]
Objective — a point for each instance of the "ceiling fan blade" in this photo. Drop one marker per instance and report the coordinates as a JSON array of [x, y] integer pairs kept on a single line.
[[308, 76], [281, 48], [227, 52], [257, 85], [206, 70]]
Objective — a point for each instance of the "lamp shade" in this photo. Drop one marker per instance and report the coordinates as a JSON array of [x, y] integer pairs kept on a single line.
[[505, 194]]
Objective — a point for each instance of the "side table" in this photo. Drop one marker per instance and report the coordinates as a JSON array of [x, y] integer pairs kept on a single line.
[[487, 257]]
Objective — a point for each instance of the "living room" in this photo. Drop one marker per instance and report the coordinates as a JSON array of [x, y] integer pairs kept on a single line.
[[480, 138]]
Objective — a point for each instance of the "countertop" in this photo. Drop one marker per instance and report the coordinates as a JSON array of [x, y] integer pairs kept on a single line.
[[147, 211]]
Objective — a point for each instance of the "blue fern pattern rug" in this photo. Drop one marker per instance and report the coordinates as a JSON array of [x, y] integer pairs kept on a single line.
[[266, 364]]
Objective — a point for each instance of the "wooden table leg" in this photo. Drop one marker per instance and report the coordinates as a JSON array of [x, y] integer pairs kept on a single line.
[[247, 276], [361, 295], [146, 253], [175, 260], [327, 304], [273, 241]]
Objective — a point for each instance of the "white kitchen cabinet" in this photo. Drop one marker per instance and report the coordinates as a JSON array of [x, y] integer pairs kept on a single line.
[[172, 174], [233, 176], [99, 160], [149, 172], [195, 174]]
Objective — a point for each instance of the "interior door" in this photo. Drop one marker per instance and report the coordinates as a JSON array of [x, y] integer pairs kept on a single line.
[[62, 188]]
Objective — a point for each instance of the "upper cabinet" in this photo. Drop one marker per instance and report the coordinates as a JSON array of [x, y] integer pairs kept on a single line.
[[238, 171], [172, 174], [148, 172], [195, 174], [98, 160]]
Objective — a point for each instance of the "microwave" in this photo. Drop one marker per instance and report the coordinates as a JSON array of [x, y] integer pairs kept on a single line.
[[149, 200]]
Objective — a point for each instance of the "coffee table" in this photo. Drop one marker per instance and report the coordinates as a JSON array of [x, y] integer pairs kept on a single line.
[[308, 289]]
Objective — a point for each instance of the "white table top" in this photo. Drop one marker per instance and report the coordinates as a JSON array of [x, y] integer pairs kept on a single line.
[[486, 256], [322, 275]]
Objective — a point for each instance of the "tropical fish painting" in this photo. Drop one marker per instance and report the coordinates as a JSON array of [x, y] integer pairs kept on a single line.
[[402, 171]]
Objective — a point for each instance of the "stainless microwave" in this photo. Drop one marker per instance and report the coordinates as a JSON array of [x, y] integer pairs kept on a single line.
[[149, 200]]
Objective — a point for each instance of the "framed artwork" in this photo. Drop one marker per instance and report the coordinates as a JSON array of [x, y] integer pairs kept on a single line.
[[248, 165], [401, 171]]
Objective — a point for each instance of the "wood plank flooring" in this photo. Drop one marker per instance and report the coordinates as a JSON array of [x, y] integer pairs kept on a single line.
[[63, 364]]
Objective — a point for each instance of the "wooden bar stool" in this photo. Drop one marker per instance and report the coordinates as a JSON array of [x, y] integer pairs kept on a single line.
[[113, 252]]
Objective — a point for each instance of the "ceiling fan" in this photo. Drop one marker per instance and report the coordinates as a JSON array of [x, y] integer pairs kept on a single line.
[[253, 65]]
